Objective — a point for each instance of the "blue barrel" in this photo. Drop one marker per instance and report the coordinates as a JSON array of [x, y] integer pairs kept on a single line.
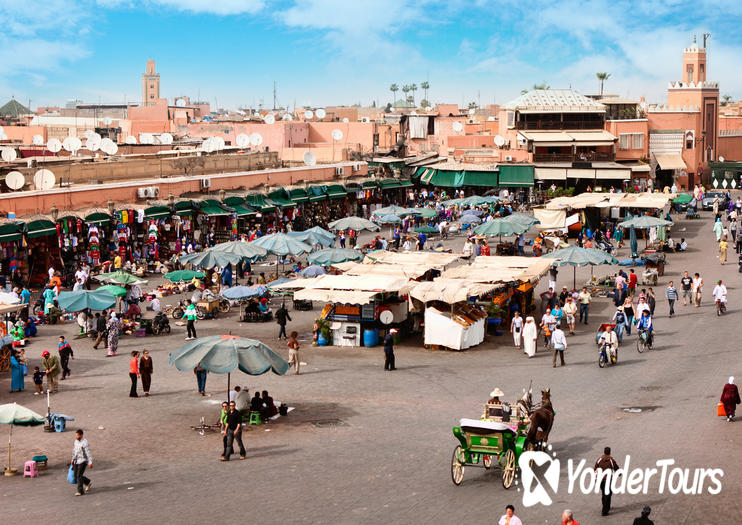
[[370, 337]]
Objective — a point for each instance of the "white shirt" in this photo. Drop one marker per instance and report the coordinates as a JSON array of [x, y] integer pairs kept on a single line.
[[697, 284], [51, 273], [611, 338], [515, 520], [557, 338], [640, 307], [79, 274], [233, 395], [78, 286], [156, 305], [720, 293]]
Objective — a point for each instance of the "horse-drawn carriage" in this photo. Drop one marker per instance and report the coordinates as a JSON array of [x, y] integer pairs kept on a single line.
[[501, 436]]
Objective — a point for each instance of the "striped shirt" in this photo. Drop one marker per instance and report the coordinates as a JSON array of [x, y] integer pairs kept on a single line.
[[81, 452], [671, 293]]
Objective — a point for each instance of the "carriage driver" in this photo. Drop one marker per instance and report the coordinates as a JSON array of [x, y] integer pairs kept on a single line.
[[496, 409]]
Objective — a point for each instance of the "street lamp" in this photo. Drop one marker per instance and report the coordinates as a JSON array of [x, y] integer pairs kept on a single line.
[[222, 195], [55, 212], [111, 206]]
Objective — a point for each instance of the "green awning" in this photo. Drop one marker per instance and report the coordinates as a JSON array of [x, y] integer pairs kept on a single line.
[[352, 187], [405, 183], [516, 176], [213, 211], [243, 211], [11, 231], [446, 179], [258, 201], [98, 218], [40, 228], [426, 175], [419, 171], [298, 195], [157, 212], [317, 193], [281, 198], [336, 191], [184, 208], [369, 184], [486, 179], [387, 184], [234, 200]]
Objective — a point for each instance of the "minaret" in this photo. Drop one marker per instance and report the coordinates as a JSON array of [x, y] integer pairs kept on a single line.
[[150, 85]]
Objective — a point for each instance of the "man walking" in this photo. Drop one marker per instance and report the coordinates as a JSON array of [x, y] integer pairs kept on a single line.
[[686, 285], [605, 467], [672, 295], [644, 518], [389, 350], [81, 459], [584, 299], [51, 366], [559, 344], [65, 353], [509, 518], [100, 327], [191, 316], [282, 315], [697, 289], [233, 431], [632, 282]]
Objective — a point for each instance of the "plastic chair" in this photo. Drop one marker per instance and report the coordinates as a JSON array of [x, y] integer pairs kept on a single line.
[[29, 469], [255, 419]]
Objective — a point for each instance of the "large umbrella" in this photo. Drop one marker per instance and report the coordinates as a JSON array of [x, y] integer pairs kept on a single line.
[[425, 213], [321, 231], [243, 292], [282, 244], [116, 291], [223, 354], [634, 246], [501, 227], [312, 271], [183, 275], [477, 200], [120, 277], [683, 198], [643, 222], [15, 414], [334, 256], [310, 237], [389, 219], [427, 230], [210, 258], [576, 256], [470, 219], [523, 218], [394, 210], [85, 300], [246, 250], [353, 223]]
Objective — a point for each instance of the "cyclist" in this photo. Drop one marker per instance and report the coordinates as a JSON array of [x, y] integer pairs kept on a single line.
[[720, 294], [610, 339], [645, 325]]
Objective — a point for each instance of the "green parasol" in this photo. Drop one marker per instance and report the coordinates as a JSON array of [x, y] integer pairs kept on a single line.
[[184, 275], [15, 414]]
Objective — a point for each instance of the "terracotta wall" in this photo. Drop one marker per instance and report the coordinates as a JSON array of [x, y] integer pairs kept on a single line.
[[730, 148], [725, 122], [616, 127], [24, 134]]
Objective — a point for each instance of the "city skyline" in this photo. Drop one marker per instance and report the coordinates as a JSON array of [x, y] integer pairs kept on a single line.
[[327, 52]]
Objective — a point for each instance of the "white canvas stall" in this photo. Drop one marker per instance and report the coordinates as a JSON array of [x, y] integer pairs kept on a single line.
[[550, 219], [441, 330]]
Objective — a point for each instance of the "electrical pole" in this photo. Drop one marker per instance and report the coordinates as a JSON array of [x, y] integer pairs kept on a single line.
[[274, 95]]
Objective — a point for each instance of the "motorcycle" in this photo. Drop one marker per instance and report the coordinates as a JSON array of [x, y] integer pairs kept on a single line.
[[176, 311], [721, 307], [160, 324], [605, 357]]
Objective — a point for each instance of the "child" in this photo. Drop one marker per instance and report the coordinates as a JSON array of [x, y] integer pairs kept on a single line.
[[38, 380]]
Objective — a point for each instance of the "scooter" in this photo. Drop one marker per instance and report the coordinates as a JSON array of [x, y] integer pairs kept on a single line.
[[605, 358], [721, 307]]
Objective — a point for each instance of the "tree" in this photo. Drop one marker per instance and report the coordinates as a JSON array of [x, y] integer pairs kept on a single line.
[[542, 85], [602, 76], [394, 88], [405, 90], [472, 105], [410, 99], [425, 103], [413, 88], [425, 86], [726, 99]]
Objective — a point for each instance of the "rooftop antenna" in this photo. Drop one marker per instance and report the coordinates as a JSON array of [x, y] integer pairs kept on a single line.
[[706, 36], [274, 94]]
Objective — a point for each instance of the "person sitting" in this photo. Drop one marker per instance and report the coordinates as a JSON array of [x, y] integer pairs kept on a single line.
[[645, 323], [242, 400], [682, 246], [270, 407], [496, 409], [257, 405], [133, 312], [263, 306], [207, 295]]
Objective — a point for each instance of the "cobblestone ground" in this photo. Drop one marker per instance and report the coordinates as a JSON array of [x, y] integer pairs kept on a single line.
[[368, 446]]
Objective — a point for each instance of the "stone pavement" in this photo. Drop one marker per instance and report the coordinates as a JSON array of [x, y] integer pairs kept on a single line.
[[368, 446]]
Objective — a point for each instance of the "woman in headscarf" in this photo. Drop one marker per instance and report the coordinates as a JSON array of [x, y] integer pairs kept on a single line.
[[730, 399], [113, 327], [718, 229], [530, 333], [16, 374]]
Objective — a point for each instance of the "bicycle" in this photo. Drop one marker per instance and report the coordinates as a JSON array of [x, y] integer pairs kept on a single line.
[[643, 342]]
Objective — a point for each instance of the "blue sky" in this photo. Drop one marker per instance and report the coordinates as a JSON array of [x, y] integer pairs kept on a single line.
[[323, 52]]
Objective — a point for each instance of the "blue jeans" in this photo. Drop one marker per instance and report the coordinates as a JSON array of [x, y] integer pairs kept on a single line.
[[201, 380], [584, 309], [629, 321], [620, 327]]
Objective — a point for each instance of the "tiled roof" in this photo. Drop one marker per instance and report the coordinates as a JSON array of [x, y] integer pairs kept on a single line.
[[551, 99]]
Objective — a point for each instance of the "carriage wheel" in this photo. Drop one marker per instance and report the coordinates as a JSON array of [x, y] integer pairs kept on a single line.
[[4, 358], [177, 313], [457, 467], [487, 460], [200, 313], [224, 306], [508, 470]]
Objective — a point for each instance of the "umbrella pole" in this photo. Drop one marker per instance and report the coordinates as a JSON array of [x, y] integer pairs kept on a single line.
[[229, 377], [574, 278], [9, 471]]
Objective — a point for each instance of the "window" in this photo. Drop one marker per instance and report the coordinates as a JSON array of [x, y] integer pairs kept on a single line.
[[701, 71], [511, 119], [624, 141], [689, 69], [690, 139], [637, 141], [631, 141]]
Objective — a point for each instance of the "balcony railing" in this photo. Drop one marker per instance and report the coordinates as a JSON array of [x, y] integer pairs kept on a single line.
[[599, 156]]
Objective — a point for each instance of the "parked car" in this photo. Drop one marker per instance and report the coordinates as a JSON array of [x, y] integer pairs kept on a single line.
[[708, 200]]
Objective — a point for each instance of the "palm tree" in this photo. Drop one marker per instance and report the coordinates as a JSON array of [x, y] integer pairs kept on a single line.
[[602, 76], [426, 87], [405, 90], [410, 99], [725, 99], [542, 85], [394, 88], [472, 105], [413, 88]]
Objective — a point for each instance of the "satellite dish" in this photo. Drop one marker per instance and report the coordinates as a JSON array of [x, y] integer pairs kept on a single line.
[[472, 111], [321, 113], [146, 138], [72, 144], [131, 139], [108, 147], [9, 154], [309, 158], [2, 130], [269, 119], [256, 139], [366, 119], [308, 114], [386, 317], [337, 134], [37, 140], [89, 133], [243, 141], [346, 120], [413, 112], [219, 143], [54, 145], [428, 108], [93, 143], [44, 179], [287, 117], [208, 145], [499, 141], [15, 180], [458, 126], [112, 149], [180, 103], [166, 138], [107, 121]]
